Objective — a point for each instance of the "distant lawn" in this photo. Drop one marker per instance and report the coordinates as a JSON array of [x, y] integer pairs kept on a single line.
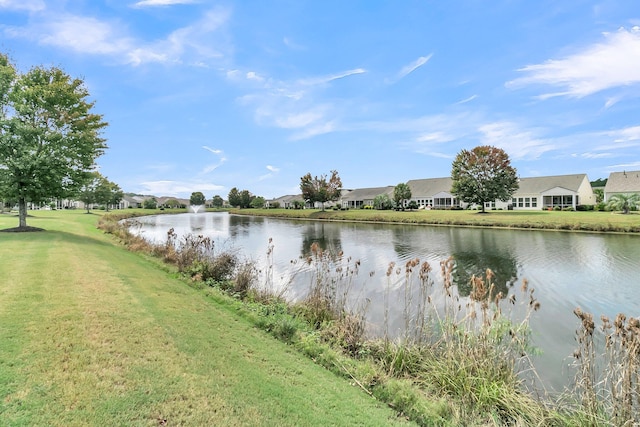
[[94, 335], [555, 220]]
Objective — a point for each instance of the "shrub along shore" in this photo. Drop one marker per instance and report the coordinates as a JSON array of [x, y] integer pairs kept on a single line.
[[593, 221]]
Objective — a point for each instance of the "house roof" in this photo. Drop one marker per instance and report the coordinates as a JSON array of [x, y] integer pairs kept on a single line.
[[287, 199], [367, 193], [537, 185], [429, 187], [623, 182]]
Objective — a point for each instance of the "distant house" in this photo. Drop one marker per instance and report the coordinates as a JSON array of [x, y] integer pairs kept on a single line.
[[285, 202], [433, 193], [361, 197], [545, 192], [622, 183]]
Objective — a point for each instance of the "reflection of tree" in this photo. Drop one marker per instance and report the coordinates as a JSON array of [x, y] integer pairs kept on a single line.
[[402, 245], [475, 256], [327, 236], [241, 225]]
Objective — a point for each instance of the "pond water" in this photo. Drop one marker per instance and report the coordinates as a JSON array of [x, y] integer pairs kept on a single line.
[[596, 272]]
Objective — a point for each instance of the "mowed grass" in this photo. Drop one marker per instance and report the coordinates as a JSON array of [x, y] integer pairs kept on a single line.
[[91, 334], [554, 220]]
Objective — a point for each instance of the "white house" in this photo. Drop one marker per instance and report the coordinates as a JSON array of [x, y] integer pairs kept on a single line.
[[622, 183], [547, 192], [433, 193]]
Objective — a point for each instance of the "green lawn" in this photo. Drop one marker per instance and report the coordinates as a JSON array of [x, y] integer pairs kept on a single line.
[[91, 334], [584, 221]]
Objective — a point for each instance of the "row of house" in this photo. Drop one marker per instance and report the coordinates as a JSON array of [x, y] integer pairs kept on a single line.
[[546, 192]]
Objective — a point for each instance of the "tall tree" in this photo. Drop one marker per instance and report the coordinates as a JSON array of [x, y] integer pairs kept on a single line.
[[318, 189], [245, 199], [107, 193], [234, 197], [49, 136], [197, 199], [483, 174], [401, 192], [217, 201], [623, 202]]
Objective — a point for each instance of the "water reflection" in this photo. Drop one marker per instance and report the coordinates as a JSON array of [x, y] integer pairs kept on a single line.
[[474, 256], [596, 272], [323, 234]]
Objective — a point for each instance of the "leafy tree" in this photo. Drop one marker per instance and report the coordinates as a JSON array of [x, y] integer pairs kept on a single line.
[[412, 205], [245, 199], [87, 194], [197, 199], [172, 203], [623, 202], [298, 204], [49, 137], [401, 192], [150, 203], [599, 193], [382, 202], [234, 197], [217, 201], [107, 193], [318, 189], [482, 175], [257, 202]]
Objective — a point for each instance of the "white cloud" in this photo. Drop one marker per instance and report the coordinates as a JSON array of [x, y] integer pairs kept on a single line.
[[408, 69], [519, 143], [327, 79], [153, 3], [78, 33], [469, 99], [299, 120], [177, 188], [615, 62], [221, 160], [273, 168], [28, 5], [89, 35]]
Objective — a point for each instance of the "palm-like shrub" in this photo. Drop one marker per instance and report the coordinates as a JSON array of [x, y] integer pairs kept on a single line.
[[623, 202]]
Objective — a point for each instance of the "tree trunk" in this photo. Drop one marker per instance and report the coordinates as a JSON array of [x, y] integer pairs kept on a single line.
[[22, 212]]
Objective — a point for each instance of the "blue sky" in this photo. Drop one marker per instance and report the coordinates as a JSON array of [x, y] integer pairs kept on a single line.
[[210, 95]]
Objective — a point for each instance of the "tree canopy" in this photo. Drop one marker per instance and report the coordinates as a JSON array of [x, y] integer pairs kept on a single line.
[[197, 199], [318, 189], [217, 201], [49, 136], [401, 192], [98, 189], [483, 174]]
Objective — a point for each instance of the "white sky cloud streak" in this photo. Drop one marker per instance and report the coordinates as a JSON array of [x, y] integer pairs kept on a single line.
[[408, 69], [155, 3], [615, 62], [28, 5]]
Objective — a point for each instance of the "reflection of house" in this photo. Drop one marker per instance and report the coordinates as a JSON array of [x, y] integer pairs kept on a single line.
[[362, 197], [433, 193], [543, 192], [622, 183]]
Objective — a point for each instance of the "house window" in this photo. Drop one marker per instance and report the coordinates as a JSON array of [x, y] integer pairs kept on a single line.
[[534, 202], [520, 202], [527, 202]]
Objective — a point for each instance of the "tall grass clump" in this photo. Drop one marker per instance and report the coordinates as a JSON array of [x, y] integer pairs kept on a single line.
[[326, 305], [473, 349], [607, 364]]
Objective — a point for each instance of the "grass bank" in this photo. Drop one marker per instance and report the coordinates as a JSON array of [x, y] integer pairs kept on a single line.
[[93, 334], [543, 220]]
